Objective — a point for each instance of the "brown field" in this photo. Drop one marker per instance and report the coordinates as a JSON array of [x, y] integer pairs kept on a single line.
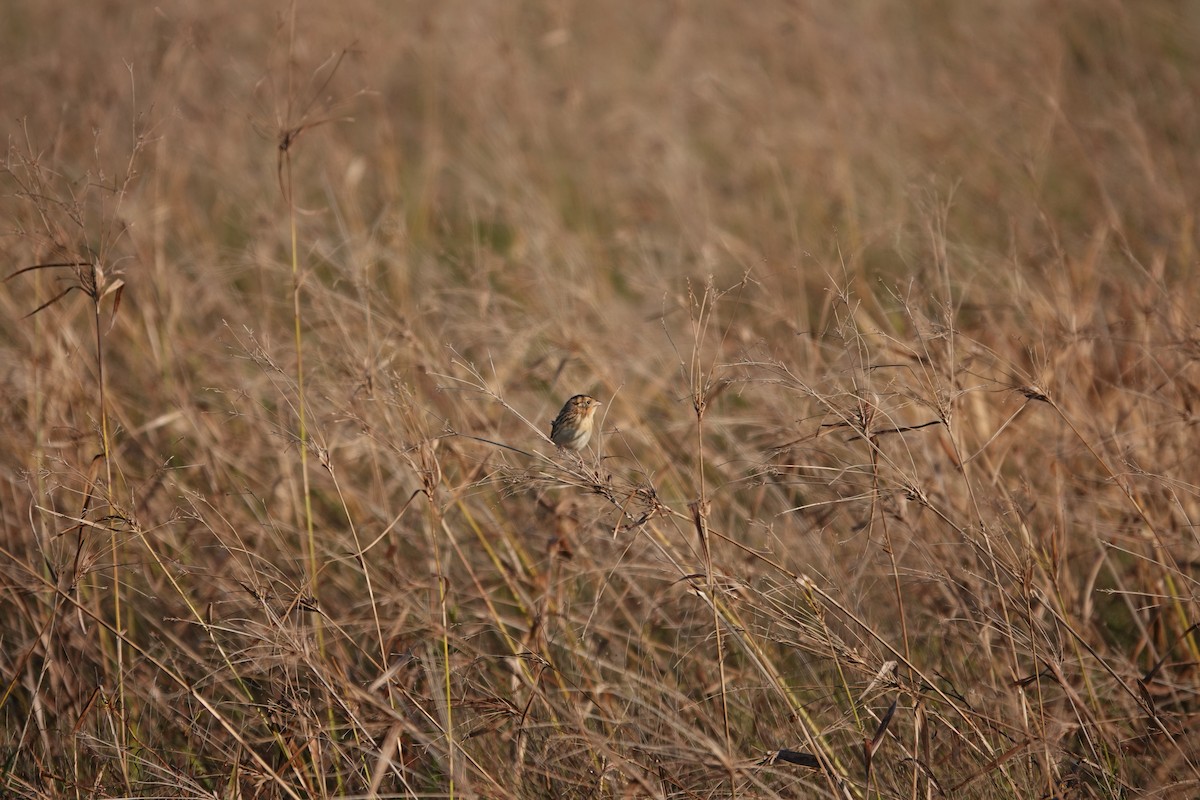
[[888, 304]]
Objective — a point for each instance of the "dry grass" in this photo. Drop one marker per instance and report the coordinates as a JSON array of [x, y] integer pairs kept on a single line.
[[890, 306]]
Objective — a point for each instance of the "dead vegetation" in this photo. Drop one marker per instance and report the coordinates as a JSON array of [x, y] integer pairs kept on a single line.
[[890, 306]]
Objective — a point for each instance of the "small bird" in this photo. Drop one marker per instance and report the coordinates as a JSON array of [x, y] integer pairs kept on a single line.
[[572, 428]]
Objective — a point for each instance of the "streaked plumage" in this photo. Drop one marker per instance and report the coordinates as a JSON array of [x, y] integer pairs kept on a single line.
[[572, 428]]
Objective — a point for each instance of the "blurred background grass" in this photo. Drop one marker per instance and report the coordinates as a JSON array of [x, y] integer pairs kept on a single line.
[[890, 306]]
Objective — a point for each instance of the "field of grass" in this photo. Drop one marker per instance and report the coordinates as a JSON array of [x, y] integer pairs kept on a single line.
[[891, 306]]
